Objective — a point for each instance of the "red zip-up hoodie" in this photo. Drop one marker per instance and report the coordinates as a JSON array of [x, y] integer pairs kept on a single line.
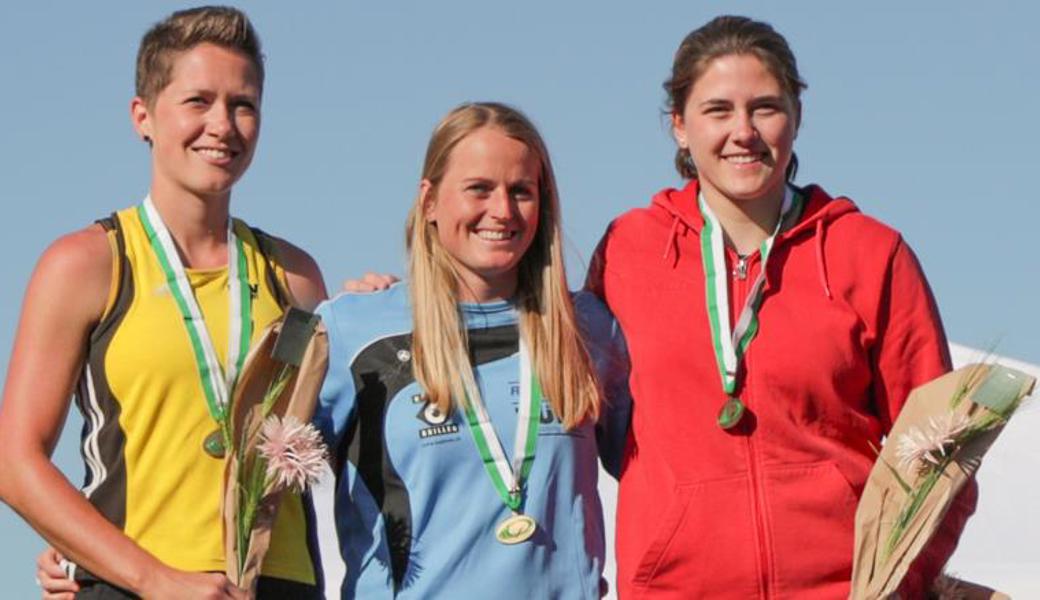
[[847, 327]]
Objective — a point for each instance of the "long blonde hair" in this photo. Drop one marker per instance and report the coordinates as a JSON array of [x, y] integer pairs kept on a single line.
[[440, 347]]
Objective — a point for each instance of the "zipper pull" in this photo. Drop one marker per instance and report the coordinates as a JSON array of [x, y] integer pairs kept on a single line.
[[740, 271]]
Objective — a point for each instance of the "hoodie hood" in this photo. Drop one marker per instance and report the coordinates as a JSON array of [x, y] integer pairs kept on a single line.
[[820, 209]]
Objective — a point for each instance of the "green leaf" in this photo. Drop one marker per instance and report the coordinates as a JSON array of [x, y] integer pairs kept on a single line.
[[895, 473]]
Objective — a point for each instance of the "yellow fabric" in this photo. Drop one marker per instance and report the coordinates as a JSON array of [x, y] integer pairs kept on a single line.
[[173, 488]]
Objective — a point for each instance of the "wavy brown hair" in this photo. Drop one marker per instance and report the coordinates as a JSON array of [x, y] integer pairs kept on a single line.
[[440, 348]]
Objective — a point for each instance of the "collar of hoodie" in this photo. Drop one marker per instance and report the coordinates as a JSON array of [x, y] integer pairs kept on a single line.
[[820, 209]]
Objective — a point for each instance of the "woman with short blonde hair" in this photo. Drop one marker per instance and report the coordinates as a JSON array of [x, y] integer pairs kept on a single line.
[[147, 315]]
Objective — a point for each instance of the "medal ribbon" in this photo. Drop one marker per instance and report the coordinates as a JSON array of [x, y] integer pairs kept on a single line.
[[730, 346], [509, 479], [217, 383]]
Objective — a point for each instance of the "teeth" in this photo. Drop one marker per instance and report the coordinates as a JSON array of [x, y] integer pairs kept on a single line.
[[213, 153], [743, 158], [494, 235]]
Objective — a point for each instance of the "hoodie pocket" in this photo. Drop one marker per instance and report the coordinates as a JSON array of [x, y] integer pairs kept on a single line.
[[812, 512], [703, 543]]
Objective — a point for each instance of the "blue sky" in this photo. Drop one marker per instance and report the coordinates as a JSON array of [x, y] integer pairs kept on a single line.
[[922, 112]]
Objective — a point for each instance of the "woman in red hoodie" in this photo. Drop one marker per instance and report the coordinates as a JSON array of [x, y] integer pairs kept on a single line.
[[774, 332]]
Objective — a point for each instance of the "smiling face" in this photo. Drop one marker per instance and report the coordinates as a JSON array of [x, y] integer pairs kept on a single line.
[[485, 209], [204, 125], [739, 126]]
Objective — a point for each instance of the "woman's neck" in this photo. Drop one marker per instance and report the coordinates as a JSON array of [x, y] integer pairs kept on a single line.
[[746, 223], [197, 225], [473, 288]]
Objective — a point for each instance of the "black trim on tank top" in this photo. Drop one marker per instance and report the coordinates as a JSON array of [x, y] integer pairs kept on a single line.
[[110, 497], [265, 247]]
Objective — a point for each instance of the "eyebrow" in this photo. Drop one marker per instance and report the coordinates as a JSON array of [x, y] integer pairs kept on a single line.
[[524, 181], [762, 99], [205, 91], [755, 100]]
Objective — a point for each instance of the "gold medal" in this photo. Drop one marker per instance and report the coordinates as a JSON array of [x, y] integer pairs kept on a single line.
[[517, 528], [214, 444]]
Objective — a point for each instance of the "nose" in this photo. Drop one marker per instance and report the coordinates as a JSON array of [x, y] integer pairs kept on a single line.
[[744, 130], [219, 121], [501, 205]]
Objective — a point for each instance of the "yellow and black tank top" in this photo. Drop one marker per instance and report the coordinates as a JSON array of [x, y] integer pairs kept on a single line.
[[145, 416]]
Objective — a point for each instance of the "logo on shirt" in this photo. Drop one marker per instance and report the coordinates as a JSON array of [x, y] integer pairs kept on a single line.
[[545, 417], [435, 419]]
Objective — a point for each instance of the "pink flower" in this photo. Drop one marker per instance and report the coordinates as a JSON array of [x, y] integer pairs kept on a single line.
[[294, 452], [926, 447]]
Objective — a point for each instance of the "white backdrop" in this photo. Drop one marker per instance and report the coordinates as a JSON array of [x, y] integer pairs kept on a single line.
[[998, 547]]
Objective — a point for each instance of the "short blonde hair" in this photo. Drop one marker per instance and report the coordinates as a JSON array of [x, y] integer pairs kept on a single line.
[[183, 30]]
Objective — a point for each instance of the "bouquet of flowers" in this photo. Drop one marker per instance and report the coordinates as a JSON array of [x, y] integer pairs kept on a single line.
[[933, 449], [274, 447]]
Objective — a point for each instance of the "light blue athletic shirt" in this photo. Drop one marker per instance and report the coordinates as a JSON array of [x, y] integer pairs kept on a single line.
[[416, 511]]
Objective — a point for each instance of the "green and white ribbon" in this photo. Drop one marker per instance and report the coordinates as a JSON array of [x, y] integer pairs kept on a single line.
[[507, 478], [731, 345], [217, 383]]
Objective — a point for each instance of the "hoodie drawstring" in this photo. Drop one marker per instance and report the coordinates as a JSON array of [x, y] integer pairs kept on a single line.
[[821, 266], [672, 240]]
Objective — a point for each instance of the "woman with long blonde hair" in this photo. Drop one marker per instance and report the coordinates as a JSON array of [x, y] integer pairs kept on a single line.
[[463, 404]]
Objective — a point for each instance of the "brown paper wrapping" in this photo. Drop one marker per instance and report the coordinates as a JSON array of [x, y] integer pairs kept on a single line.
[[298, 399], [875, 576]]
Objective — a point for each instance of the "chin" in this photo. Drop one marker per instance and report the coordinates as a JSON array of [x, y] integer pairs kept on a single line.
[[214, 188], [753, 191]]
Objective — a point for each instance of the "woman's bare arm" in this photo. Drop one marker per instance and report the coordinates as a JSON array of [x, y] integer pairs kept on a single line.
[[65, 299]]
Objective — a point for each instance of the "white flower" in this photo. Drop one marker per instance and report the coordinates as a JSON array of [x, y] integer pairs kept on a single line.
[[921, 448], [294, 452]]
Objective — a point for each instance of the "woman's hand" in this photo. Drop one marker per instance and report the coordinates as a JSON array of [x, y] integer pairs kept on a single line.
[[166, 583], [51, 575], [162, 582], [370, 282]]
